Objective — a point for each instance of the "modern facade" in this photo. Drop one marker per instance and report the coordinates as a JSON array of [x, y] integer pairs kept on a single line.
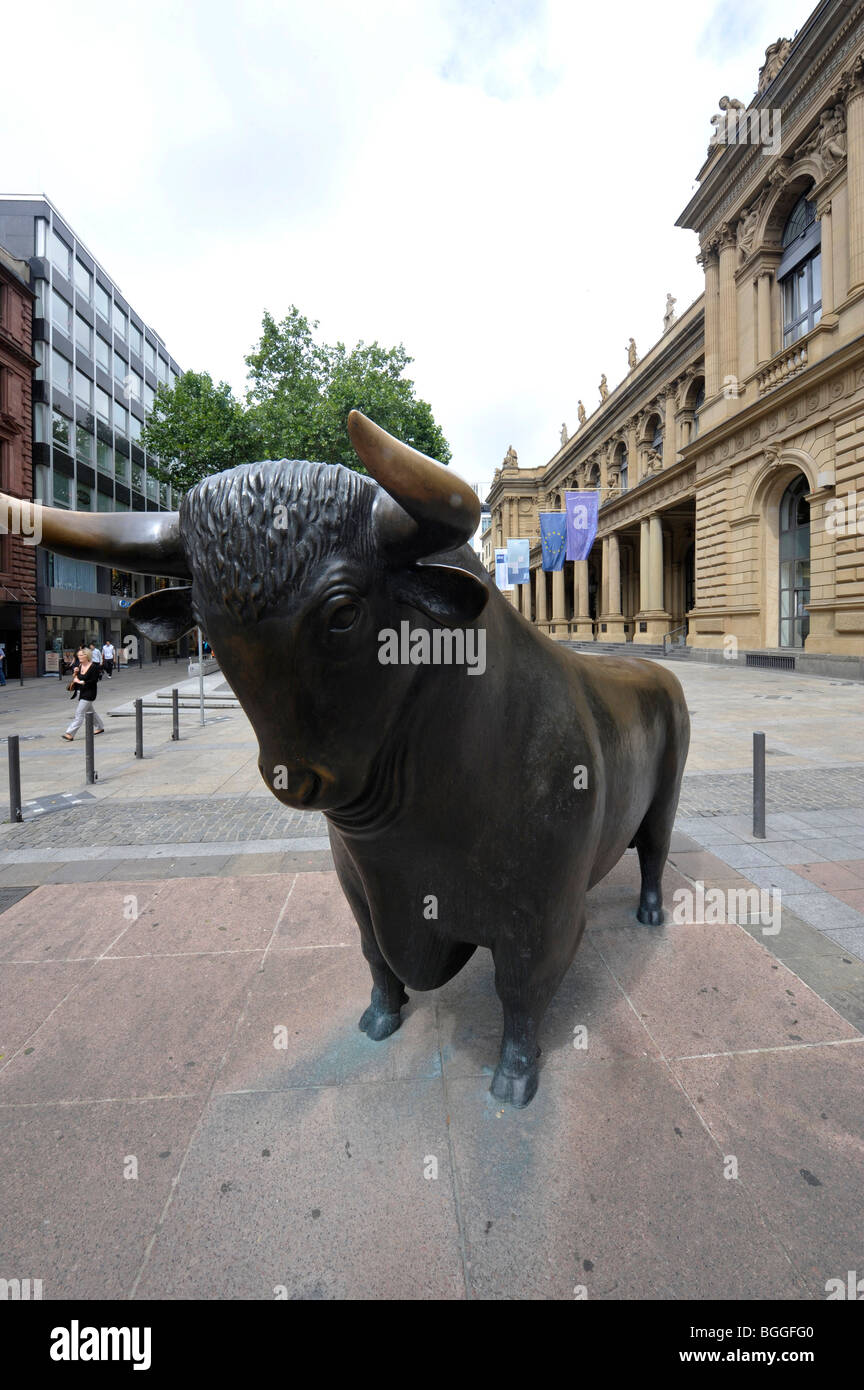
[[17, 552], [730, 459], [98, 365]]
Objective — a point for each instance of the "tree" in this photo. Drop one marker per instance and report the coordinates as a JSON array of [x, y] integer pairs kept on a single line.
[[197, 429], [301, 393]]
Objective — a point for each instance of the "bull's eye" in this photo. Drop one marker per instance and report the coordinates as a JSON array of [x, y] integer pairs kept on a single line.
[[343, 618]]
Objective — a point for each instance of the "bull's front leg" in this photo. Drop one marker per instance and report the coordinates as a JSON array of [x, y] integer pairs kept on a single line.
[[383, 1015], [527, 974]]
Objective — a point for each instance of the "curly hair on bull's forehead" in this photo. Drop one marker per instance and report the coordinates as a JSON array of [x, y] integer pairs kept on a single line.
[[253, 533]]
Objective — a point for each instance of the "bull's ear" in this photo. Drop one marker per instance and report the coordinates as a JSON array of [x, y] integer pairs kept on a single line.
[[446, 593], [165, 615]]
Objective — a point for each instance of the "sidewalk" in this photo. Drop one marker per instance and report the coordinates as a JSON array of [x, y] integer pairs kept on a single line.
[[194, 1006]]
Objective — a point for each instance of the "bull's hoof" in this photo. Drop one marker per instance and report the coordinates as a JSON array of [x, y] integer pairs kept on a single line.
[[515, 1090], [650, 916], [377, 1025]]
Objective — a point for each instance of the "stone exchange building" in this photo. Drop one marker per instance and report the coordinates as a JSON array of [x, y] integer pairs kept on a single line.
[[730, 460]]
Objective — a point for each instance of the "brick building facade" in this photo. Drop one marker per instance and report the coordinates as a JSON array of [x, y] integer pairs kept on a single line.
[[17, 554]]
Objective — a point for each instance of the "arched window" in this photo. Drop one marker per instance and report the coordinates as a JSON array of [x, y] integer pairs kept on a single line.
[[698, 402], [794, 563], [622, 467], [594, 475], [657, 441], [799, 273]]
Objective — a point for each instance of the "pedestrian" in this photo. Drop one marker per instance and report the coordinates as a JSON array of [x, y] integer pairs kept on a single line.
[[2, 663], [86, 681], [108, 659], [95, 653]]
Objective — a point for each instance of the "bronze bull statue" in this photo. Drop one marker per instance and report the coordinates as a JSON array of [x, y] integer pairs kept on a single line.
[[468, 803]]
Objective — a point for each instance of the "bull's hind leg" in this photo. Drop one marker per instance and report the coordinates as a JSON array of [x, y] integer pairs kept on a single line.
[[383, 1015], [652, 841]]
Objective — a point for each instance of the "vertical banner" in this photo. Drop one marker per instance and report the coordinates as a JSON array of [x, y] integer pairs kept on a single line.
[[501, 571], [518, 571], [553, 539], [582, 509]]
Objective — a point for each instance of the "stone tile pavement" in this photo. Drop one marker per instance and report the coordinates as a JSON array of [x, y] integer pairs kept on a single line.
[[188, 1110]]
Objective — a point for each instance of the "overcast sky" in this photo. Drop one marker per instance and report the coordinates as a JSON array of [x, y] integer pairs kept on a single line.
[[493, 184]]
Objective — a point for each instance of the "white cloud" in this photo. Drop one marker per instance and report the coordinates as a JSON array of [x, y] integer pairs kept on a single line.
[[494, 186]]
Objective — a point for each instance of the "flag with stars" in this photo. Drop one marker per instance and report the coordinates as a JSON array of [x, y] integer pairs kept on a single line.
[[553, 539]]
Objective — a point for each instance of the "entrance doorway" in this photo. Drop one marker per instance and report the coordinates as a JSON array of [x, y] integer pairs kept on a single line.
[[794, 534]]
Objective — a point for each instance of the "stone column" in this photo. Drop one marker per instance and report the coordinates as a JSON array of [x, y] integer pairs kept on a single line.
[[670, 432], [824, 215], [559, 617], [727, 307], [611, 621], [763, 317], [541, 598], [525, 597], [632, 461], [582, 626], [855, 177], [712, 306], [652, 621]]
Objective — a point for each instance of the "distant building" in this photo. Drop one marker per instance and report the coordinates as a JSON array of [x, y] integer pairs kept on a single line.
[[730, 459], [98, 365], [17, 558]]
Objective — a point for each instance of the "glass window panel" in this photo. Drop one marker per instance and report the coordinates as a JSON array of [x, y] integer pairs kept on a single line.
[[149, 397], [40, 424], [40, 289], [84, 498], [816, 268], [150, 356], [83, 390], [120, 418], [120, 368], [105, 458], [61, 254], [103, 354], [61, 312], [83, 334], [61, 429], [134, 428], [135, 385], [40, 350], [61, 490], [103, 405], [41, 483], [83, 280], [41, 246], [136, 342], [137, 477], [121, 467], [153, 489], [103, 302], [162, 372], [61, 372], [120, 322], [83, 444], [164, 496], [103, 503]]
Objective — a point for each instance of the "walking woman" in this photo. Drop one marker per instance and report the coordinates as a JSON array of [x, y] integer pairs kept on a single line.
[[86, 681]]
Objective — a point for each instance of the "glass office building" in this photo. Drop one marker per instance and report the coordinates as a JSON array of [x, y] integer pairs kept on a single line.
[[99, 368]]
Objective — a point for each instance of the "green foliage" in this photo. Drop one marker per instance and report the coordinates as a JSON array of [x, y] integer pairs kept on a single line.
[[300, 393], [197, 429]]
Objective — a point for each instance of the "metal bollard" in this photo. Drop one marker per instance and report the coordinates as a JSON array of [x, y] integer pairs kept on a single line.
[[89, 761], [175, 713], [139, 728], [759, 786], [14, 778]]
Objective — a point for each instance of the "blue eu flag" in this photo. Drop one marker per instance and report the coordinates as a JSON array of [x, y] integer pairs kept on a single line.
[[553, 539]]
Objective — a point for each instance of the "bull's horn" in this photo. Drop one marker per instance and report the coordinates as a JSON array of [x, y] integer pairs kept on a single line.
[[143, 542], [444, 511]]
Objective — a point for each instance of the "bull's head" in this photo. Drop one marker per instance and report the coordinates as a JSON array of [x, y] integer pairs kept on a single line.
[[295, 568]]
